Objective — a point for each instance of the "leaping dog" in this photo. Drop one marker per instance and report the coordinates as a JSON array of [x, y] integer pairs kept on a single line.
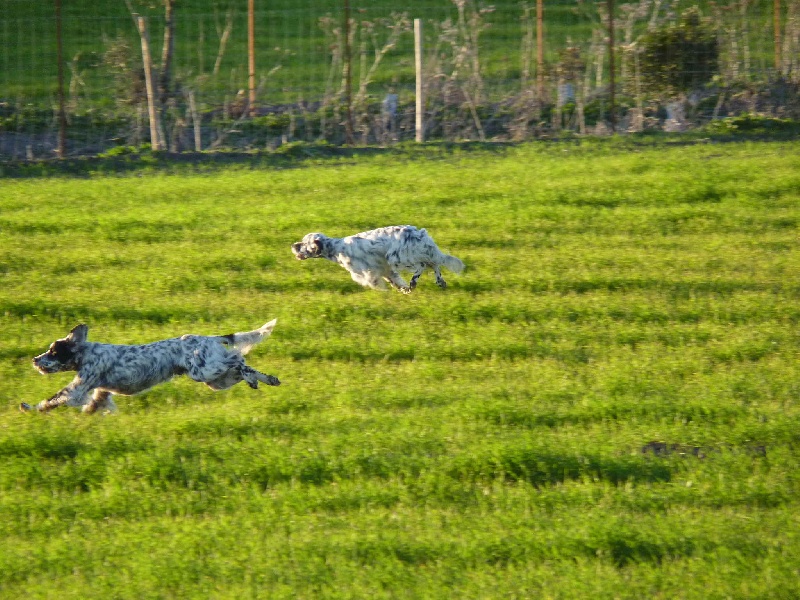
[[106, 369]]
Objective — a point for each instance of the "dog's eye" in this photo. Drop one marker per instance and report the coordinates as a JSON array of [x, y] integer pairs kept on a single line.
[[62, 351]]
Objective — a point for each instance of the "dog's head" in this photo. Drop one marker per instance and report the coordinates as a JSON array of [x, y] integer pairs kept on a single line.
[[311, 246], [63, 354]]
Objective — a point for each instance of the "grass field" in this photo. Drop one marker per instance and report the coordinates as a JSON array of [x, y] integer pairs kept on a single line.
[[604, 405]]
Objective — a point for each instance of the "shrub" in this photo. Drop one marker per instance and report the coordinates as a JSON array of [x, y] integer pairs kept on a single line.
[[754, 125], [679, 57]]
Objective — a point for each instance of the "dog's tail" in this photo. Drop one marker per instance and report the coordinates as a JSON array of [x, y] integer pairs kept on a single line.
[[244, 341], [452, 263]]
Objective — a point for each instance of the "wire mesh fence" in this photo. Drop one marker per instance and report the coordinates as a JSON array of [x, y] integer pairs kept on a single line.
[[198, 75]]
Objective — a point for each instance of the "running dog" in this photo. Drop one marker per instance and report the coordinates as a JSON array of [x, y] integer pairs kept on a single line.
[[377, 256], [106, 369]]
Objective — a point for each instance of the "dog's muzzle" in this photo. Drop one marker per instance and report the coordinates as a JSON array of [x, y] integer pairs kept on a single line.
[[44, 367], [297, 250]]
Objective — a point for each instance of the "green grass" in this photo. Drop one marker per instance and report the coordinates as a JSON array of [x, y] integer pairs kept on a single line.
[[494, 440]]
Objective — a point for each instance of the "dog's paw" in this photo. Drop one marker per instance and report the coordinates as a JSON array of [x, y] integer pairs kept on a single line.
[[406, 290], [441, 283], [25, 407], [272, 380]]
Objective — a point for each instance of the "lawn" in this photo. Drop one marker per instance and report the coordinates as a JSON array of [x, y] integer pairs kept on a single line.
[[603, 405]]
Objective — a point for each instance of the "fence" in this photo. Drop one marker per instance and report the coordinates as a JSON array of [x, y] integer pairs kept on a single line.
[[88, 76]]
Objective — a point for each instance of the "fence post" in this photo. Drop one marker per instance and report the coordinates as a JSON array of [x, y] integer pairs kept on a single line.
[[612, 109], [348, 76], [62, 114], [198, 139], [155, 142], [167, 52], [251, 54], [420, 114], [540, 51], [776, 18]]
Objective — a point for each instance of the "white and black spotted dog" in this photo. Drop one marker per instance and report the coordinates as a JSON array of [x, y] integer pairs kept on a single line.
[[106, 369], [377, 256]]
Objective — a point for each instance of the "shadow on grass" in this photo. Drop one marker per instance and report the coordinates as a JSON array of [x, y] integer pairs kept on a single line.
[[541, 467], [625, 544], [75, 313], [62, 446], [130, 160], [294, 155]]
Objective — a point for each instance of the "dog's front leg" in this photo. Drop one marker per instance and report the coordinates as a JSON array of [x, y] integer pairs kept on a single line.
[[397, 282], [72, 395], [101, 400], [414, 278]]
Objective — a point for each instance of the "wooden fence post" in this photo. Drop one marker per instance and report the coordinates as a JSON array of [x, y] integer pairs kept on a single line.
[[251, 53], [540, 51], [612, 109], [776, 18], [62, 113], [198, 138], [348, 77], [155, 142], [420, 114]]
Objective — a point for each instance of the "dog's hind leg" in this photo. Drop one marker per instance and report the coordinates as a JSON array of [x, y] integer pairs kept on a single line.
[[220, 373], [439, 279], [220, 369], [252, 377], [268, 379], [214, 364], [241, 373], [227, 380]]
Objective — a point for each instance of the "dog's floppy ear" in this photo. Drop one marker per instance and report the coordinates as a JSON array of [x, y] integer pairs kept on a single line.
[[79, 333]]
